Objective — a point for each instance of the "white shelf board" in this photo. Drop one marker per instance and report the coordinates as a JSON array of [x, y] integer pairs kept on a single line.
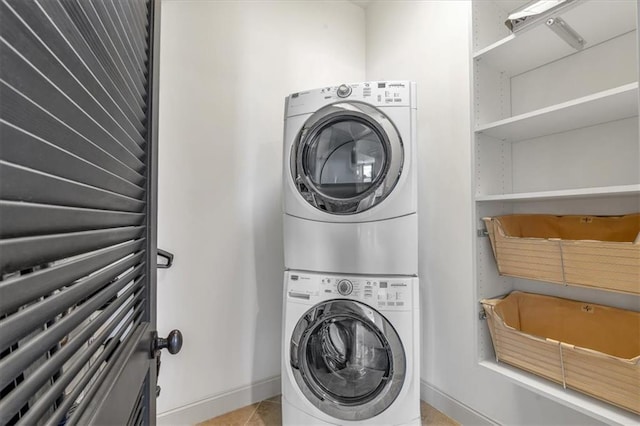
[[592, 407], [595, 20], [599, 192], [602, 107]]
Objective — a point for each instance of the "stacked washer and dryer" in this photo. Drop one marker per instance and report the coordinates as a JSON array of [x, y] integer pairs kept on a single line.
[[350, 351]]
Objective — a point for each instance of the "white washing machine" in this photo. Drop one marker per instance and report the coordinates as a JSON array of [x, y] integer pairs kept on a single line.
[[350, 352], [350, 198]]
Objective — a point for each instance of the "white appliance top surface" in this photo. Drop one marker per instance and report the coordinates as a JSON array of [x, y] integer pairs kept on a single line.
[[383, 293], [377, 93]]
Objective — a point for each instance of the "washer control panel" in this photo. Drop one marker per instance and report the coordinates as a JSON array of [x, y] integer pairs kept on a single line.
[[385, 293], [378, 93]]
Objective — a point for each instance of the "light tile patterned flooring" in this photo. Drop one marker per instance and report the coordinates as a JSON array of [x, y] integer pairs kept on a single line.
[[269, 413]]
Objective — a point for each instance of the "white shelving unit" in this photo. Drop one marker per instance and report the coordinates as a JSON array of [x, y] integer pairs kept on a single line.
[[602, 107], [566, 194], [555, 131], [596, 21], [595, 408]]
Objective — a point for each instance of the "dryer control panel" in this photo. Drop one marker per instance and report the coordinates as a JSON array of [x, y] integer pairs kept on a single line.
[[377, 93], [383, 293]]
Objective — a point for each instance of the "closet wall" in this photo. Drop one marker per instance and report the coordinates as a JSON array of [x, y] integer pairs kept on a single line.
[[226, 68]]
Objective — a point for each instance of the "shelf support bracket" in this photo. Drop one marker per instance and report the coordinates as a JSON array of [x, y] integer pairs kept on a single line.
[[565, 32]]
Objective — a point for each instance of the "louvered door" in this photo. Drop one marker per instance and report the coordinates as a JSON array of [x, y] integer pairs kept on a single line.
[[77, 211]]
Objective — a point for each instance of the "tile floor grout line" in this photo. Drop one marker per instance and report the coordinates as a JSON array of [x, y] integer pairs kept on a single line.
[[254, 411]]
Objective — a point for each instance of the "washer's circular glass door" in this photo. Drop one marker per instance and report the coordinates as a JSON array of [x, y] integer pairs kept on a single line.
[[346, 158], [347, 359]]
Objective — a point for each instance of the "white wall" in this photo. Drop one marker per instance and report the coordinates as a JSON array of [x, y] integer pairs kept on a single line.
[[429, 42], [226, 67]]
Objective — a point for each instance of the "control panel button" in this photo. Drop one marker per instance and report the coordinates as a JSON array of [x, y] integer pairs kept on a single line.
[[345, 287], [343, 91]]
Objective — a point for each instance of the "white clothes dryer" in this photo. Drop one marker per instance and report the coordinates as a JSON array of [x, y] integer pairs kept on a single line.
[[350, 353], [350, 197]]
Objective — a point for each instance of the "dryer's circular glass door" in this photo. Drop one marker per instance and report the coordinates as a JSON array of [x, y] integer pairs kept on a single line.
[[347, 158], [347, 359]]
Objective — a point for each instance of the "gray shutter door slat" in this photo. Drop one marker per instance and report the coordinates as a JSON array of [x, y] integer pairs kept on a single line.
[[125, 100], [18, 398], [77, 211], [101, 50], [45, 49], [35, 153], [19, 253], [100, 14], [117, 35], [110, 345], [135, 34], [97, 394], [18, 183], [128, 38], [21, 75], [37, 411], [55, 39], [28, 219], [17, 361], [89, 24], [17, 291], [141, 14], [137, 20], [19, 111], [136, 414], [26, 320]]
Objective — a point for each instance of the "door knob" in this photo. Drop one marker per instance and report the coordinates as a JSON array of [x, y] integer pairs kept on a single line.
[[173, 342]]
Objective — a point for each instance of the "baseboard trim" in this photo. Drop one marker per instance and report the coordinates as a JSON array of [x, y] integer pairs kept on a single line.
[[452, 407], [222, 403], [236, 398]]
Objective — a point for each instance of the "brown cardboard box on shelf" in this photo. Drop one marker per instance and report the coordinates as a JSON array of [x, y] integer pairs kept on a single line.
[[591, 348], [589, 251]]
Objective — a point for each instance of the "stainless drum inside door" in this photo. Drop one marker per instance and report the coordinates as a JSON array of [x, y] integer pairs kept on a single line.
[[347, 359], [347, 158]]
